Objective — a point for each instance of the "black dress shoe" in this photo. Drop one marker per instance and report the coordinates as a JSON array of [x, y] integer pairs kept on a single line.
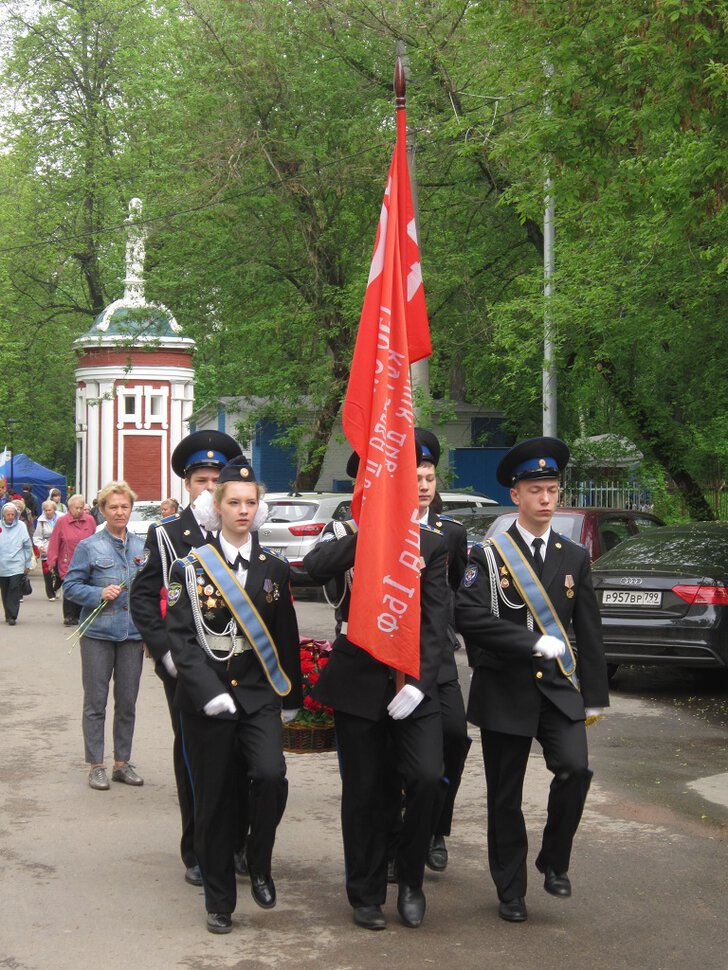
[[513, 910], [410, 905], [241, 864], [219, 922], [370, 917], [437, 854], [193, 876], [556, 883], [263, 891]]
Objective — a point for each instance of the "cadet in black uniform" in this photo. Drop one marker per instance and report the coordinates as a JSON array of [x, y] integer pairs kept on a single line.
[[372, 733], [456, 742], [198, 459], [234, 641], [523, 684]]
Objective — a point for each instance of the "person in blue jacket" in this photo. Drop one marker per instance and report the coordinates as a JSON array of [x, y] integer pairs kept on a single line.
[[99, 578], [16, 556]]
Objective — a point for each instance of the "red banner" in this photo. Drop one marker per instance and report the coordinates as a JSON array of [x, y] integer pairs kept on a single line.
[[384, 617]]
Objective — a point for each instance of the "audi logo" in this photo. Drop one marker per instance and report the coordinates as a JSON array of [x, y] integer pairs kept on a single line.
[[630, 581]]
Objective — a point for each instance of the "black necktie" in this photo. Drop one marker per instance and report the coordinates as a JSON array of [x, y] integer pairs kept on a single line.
[[537, 543], [239, 561]]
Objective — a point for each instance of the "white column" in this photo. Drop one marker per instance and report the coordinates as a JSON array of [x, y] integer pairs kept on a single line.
[[91, 485], [108, 396]]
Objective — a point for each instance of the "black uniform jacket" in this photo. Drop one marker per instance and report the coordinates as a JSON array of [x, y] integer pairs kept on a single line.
[[457, 556], [353, 681], [185, 534], [508, 681], [200, 678]]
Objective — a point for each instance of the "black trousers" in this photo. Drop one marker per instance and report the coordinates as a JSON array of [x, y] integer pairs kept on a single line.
[[10, 587], [505, 757], [456, 745], [181, 773], [71, 610], [212, 746], [367, 750], [52, 582]]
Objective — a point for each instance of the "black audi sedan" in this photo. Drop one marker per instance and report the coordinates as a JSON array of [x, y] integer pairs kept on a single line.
[[663, 597]]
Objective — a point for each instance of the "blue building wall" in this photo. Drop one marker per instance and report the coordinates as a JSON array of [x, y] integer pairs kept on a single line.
[[475, 468], [274, 465]]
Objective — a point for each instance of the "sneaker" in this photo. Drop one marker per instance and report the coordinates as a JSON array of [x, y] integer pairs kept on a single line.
[[127, 775], [98, 779], [51, 599]]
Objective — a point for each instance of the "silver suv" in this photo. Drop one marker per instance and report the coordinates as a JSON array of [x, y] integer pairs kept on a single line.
[[295, 522]]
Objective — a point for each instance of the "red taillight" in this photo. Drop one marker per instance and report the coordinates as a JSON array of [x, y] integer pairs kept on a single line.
[[706, 595], [311, 529]]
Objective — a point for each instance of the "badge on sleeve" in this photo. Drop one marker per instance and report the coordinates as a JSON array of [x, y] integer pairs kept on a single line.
[[173, 594], [470, 575]]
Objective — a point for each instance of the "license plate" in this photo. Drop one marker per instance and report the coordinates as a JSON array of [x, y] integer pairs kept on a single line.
[[630, 597]]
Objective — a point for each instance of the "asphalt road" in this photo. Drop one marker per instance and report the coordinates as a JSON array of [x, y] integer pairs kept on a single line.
[[93, 879]]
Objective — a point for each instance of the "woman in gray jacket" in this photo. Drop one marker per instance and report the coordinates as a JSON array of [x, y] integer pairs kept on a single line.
[[99, 579]]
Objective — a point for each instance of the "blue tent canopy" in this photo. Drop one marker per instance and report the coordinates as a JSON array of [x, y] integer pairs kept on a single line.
[[29, 472]]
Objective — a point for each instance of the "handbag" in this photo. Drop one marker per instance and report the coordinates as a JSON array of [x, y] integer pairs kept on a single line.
[[26, 589]]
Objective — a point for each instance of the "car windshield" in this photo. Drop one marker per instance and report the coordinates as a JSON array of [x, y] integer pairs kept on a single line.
[[665, 550], [145, 513], [281, 511]]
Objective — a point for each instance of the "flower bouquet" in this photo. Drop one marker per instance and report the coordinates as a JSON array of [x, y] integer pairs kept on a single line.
[[84, 626], [312, 730]]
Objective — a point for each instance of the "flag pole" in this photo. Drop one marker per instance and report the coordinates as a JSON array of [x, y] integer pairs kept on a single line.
[[420, 370], [400, 102]]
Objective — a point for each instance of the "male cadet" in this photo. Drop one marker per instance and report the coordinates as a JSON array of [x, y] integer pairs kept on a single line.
[[377, 726], [520, 592], [456, 742], [198, 459]]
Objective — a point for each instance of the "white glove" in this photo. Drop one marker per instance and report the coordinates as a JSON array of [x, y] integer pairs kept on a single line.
[[549, 647], [289, 715], [403, 703], [593, 712], [169, 664], [222, 704]]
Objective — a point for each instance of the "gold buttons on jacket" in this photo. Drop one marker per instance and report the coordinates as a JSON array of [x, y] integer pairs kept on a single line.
[[233, 683], [539, 674]]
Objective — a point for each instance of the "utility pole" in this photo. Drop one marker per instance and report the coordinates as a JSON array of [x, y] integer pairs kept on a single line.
[[549, 354]]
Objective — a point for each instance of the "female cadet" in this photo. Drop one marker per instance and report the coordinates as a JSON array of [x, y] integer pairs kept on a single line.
[[234, 642]]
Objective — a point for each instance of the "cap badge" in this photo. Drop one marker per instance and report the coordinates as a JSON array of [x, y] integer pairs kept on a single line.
[[244, 472], [542, 463], [210, 454]]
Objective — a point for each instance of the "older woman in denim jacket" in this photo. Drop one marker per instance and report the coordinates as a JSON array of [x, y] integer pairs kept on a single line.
[[101, 572], [16, 556]]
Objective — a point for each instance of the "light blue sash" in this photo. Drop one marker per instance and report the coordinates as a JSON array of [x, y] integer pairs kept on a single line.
[[250, 621], [536, 599]]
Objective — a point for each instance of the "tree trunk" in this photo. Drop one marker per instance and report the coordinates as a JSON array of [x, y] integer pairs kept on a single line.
[[658, 442]]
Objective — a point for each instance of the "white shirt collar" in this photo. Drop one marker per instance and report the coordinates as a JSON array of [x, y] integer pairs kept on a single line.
[[231, 553], [528, 537]]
